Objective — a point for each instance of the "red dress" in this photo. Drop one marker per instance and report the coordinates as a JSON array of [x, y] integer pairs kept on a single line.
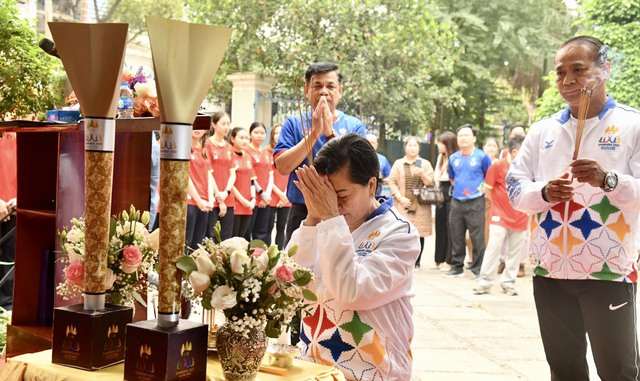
[[244, 175], [222, 163], [199, 168], [8, 166], [279, 181], [262, 165]]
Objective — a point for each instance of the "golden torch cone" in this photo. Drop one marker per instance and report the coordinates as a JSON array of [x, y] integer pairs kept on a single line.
[[185, 60], [92, 55]]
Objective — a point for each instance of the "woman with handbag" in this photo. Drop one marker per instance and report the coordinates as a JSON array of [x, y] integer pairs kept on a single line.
[[408, 175], [447, 144]]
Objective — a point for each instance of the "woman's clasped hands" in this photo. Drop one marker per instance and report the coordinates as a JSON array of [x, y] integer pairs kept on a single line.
[[319, 195]]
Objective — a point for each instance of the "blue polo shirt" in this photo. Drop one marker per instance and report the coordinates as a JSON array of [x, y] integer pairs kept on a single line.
[[291, 134], [467, 173]]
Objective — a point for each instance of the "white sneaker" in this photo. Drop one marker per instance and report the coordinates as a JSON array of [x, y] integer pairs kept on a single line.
[[480, 290], [509, 291]]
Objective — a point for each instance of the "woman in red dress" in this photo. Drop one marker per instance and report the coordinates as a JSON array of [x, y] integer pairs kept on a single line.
[[220, 154], [202, 190], [244, 190], [280, 204], [262, 162]]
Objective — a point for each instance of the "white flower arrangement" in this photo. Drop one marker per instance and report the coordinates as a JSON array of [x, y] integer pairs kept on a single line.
[[131, 258], [254, 285]]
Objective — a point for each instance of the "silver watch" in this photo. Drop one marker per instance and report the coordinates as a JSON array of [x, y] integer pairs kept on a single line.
[[610, 182]]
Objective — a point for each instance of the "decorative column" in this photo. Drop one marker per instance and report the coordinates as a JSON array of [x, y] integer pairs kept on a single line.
[[246, 103]]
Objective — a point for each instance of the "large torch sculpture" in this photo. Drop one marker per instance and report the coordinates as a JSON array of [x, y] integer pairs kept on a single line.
[[92, 55], [185, 59]]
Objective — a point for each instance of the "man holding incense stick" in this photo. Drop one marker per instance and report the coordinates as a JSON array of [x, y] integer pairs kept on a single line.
[[578, 175], [302, 136]]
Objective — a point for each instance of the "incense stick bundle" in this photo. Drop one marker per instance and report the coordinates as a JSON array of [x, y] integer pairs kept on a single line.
[[185, 60], [93, 55], [305, 131], [583, 111]]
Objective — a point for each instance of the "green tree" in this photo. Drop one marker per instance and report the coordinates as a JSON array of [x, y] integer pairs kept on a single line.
[[617, 24], [391, 52], [503, 54], [27, 75]]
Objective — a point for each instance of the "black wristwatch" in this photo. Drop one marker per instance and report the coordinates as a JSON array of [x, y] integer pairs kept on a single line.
[[610, 182]]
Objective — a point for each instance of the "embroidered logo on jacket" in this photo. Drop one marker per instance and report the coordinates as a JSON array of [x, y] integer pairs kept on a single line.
[[610, 141], [365, 248], [548, 144]]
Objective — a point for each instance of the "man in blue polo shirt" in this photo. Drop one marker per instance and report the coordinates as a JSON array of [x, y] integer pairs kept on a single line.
[[323, 89], [467, 169]]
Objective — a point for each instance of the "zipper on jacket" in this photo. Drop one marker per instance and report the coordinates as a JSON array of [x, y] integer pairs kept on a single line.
[[565, 228]]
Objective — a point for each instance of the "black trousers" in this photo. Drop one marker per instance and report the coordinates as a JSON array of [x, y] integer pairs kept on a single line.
[[443, 235], [297, 214], [241, 224], [278, 217], [196, 229], [226, 223], [463, 216], [568, 310], [259, 225]]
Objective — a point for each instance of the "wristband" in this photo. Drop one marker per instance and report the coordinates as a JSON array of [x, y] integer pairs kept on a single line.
[[260, 191], [331, 136], [544, 193]]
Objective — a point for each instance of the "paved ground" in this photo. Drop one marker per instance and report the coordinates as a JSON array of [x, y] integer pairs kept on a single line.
[[462, 336]]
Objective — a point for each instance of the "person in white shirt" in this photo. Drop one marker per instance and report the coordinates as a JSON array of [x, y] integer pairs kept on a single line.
[[362, 252], [582, 191]]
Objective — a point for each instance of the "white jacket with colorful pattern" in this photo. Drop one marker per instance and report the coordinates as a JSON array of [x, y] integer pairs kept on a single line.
[[362, 321], [593, 236]]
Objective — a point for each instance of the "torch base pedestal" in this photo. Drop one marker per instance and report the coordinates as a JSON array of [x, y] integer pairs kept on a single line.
[[155, 353], [89, 339]]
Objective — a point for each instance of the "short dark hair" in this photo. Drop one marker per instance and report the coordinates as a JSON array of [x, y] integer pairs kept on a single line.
[[410, 138], [518, 126], [515, 142], [322, 67], [469, 126], [598, 49], [353, 151]]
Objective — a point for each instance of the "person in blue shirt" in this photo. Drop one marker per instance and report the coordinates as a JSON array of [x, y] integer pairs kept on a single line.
[[323, 89], [467, 169], [385, 167]]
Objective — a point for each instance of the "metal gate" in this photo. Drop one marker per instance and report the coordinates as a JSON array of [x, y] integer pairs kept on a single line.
[[272, 107]]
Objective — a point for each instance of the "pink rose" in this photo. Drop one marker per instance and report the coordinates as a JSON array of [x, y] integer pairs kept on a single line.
[[257, 251], [284, 274], [131, 258], [75, 273]]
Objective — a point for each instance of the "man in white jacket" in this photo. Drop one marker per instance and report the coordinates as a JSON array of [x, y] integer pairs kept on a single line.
[[582, 189]]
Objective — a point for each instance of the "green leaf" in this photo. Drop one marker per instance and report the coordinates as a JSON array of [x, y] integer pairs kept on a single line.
[[309, 295], [302, 277], [112, 227], [257, 243], [187, 265]]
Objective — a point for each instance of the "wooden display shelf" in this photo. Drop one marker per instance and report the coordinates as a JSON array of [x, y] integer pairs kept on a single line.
[[50, 193]]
